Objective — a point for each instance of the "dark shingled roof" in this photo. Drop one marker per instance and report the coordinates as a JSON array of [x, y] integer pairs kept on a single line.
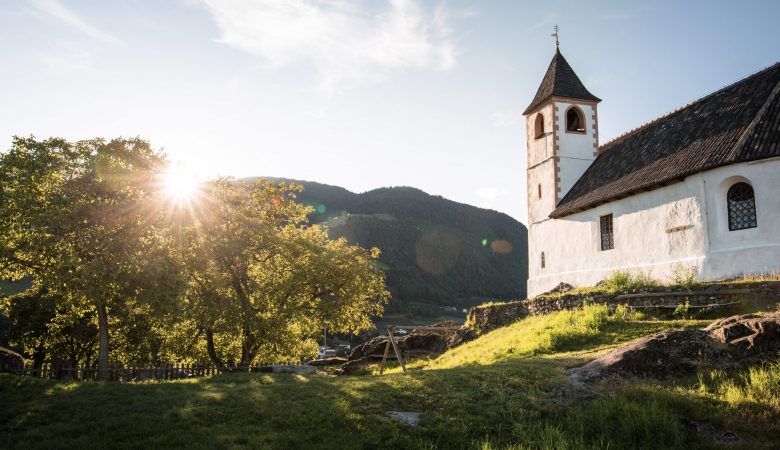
[[738, 123], [560, 80]]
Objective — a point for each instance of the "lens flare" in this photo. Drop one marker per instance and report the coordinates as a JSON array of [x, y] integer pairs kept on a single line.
[[437, 251], [180, 183], [501, 246]]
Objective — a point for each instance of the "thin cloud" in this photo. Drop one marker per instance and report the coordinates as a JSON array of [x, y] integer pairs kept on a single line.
[[56, 10], [490, 195], [66, 57], [491, 192], [347, 42]]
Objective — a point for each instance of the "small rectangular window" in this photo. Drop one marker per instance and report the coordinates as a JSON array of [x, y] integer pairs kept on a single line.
[[539, 189], [607, 233]]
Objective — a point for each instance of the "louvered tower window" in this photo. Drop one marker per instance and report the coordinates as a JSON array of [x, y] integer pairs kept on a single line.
[[742, 207], [607, 234]]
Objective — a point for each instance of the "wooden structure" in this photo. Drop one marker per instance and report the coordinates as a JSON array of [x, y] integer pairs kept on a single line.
[[169, 372], [391, 342]]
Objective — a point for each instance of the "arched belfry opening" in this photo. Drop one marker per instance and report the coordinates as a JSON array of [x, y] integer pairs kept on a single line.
[[575, 120], [539, 126]]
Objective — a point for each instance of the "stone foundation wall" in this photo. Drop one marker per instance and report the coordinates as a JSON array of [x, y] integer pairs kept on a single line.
[[765, 294]]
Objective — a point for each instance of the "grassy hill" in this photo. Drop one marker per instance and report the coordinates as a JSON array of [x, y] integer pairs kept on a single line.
[[507, 389], [434, 251]]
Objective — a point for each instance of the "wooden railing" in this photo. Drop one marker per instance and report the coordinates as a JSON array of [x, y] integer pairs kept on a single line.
[[169, 372]]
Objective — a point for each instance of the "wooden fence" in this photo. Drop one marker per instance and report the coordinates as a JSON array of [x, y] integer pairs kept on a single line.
[[170, 372]]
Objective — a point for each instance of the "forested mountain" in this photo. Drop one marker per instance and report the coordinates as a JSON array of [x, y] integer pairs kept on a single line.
[[434, 250]]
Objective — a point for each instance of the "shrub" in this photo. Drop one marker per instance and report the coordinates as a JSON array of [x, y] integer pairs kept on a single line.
[[623, 280], [685, 277], [682, 309], [623, 313]]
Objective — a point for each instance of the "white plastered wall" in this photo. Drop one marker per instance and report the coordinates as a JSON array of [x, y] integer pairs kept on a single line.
[[541, 166], [575, 150], [681, 224], [750, 251]]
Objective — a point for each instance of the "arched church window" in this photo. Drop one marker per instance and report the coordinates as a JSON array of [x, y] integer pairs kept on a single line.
[[742, 207], [542, 260], [539, 126], [575, 120]]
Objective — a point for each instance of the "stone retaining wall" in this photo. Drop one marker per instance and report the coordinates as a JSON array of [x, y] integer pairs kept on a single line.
[[758, 294]]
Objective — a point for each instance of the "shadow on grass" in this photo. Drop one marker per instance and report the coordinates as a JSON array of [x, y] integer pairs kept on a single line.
[[458, 406], [501, 400], [515, 404]]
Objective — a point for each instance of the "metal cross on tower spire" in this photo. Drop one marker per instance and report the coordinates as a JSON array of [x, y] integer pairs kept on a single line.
[[555, 35]]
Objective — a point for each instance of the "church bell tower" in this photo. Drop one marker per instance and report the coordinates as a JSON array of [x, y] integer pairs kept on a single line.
[[562, 130]]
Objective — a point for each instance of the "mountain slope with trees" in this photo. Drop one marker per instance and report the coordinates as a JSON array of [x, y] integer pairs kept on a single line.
[[434, 250]]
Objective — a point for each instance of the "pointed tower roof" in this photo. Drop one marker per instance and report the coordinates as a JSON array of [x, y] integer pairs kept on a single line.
[[561, 81]]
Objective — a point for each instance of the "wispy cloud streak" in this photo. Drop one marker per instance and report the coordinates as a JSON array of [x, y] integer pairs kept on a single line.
[[346, 41], [58, 11]]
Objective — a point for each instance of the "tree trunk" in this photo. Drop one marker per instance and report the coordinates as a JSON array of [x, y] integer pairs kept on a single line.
[[248, 348], [39, 355], [248, 344], [210, 348], [102, 374]]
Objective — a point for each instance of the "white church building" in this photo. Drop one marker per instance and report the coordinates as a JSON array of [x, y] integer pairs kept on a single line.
[[698, 187]]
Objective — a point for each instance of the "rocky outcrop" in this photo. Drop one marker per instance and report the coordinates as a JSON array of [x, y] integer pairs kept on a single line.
[[417, 344], [10, 361], [333, 361], [485, 318], [465, 334], [750, 334], [562, 288], [725, 343], [763, 294]]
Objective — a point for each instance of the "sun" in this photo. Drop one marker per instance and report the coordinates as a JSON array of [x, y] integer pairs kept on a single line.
[[180, 183]]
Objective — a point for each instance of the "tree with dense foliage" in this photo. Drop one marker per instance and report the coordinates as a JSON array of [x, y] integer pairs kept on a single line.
[[46, 326], [263, 282], [83, 219], [238, 267]]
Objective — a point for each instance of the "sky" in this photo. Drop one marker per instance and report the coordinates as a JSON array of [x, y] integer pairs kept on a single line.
[[359, 94]]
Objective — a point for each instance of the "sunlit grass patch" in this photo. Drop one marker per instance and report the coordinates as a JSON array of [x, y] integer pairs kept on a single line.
[[588, 328], [757, 385]]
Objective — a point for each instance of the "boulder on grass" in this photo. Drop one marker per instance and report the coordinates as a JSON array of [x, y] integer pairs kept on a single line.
[[734, 341], [333, 361], [417, 344], [10, 361]]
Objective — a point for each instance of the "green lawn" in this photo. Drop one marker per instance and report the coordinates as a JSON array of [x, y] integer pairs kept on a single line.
[[507, 389]]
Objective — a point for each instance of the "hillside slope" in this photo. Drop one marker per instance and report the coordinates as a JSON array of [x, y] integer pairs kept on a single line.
[[433, 249]]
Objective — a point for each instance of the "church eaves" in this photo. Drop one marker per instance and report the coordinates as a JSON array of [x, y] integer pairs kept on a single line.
[[738, 123], [560, 81]]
